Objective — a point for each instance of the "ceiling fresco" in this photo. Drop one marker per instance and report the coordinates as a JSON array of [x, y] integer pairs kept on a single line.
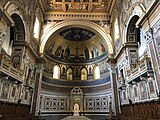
[[76, 45], [94, 10], [79, 5]]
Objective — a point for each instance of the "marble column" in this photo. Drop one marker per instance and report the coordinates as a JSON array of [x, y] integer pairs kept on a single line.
[[153, 52], [115, 103], [37, 90]]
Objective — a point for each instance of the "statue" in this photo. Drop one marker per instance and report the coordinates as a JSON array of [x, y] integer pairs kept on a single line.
[[58, 51], [86, 53]]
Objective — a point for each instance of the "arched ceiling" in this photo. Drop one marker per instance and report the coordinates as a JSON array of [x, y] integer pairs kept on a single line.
[[83, 26], [76, 45]]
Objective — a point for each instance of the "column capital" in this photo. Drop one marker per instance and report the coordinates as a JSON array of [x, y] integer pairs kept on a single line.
[[39, 68]]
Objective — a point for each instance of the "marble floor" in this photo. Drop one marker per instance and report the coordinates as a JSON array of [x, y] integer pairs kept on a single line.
[[64, 117], [76, 118]]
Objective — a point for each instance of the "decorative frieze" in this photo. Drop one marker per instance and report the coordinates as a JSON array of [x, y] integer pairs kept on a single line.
[[78, 16]]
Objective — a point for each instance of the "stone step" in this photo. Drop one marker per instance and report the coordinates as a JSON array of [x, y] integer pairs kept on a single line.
[[76, 118]]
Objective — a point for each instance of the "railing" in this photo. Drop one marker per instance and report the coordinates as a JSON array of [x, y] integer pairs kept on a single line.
[[142, 66], [7, 68]]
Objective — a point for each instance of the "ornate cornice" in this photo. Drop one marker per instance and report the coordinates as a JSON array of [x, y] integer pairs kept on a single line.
[[69, 10], [52, 16]]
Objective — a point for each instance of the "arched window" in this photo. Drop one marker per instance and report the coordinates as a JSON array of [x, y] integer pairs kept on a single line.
[[96, 72], [63, 71], [69, 74], [84, 74], [56, 72], [14, 33], [116, 29], [36, 28], [90, 70], [133, 36]]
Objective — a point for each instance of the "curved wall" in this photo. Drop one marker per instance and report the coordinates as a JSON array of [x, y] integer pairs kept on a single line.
[[56, 96]]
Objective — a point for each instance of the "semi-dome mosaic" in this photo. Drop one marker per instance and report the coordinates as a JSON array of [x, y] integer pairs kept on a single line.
[[76, 45]]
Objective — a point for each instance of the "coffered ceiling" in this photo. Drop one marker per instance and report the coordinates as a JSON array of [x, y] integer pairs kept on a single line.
[[94, 10]]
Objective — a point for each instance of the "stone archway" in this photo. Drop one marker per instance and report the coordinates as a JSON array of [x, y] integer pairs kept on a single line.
[[137, 11], [85, 24]]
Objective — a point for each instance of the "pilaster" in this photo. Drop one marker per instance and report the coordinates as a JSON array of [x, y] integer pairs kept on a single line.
[[153, 52], [1, 39], [113, 75], [37, 90]]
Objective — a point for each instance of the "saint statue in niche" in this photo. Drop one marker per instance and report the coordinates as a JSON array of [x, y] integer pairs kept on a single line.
[[67, 52], [58, 51], [86, 53]]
